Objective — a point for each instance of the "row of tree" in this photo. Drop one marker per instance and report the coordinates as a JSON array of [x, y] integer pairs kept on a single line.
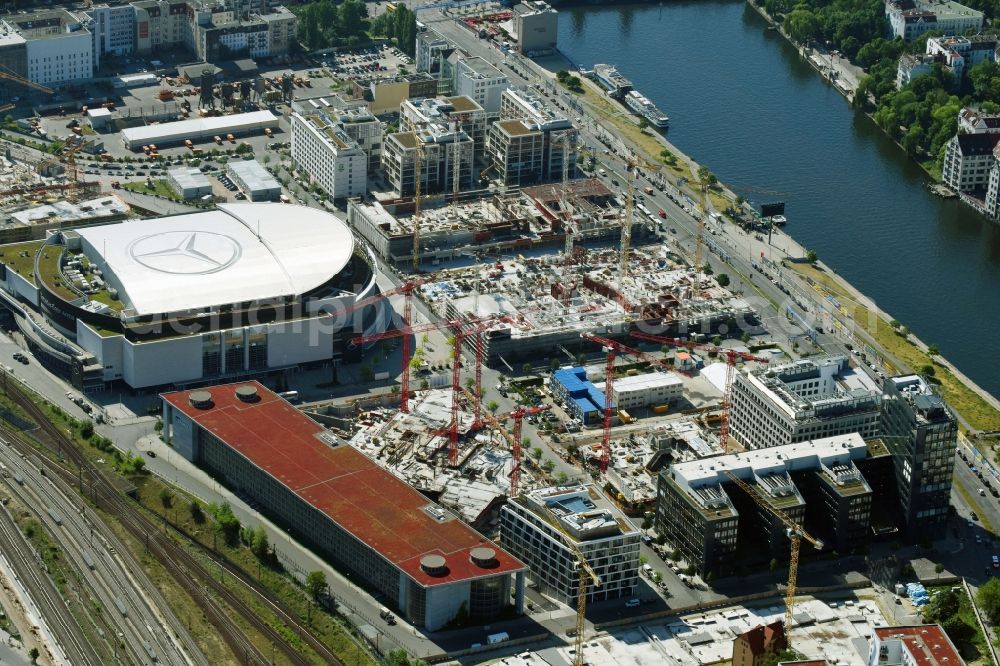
[[399, 25]]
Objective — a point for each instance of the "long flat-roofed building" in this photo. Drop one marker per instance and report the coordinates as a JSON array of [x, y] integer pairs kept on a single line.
[[603, 534], [803, 400], [197, 129], [715, 526], [425, 561]]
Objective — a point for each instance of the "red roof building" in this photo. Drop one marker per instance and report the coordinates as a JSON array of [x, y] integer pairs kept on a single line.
[[917, 645], [427, 562], [753, 647]]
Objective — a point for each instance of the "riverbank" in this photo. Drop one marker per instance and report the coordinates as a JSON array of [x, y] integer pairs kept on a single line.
[[977, 408]]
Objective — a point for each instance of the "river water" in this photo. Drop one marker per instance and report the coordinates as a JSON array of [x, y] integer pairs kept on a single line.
[[742, 102]]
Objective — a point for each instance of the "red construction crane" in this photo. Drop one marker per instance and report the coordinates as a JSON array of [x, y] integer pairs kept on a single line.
[[613, 348], [731, 356], [514, 439], [460, 329], [406, 290]]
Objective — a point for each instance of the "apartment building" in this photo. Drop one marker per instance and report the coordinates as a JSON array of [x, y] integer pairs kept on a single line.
[[113, 28], [921, 433], [161, 25], [909, 19], [446, 153], [968, 159], [482, 82], [717, 528], [914, 645], [958, 54], [754, 647], [802, 400], [538, 526], [321, 148], [220, 33], [460, 112]]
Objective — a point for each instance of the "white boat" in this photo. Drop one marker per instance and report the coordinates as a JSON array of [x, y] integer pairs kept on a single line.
[[642, 106], [613, 82]]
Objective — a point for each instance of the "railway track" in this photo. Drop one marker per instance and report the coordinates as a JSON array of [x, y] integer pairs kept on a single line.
[[177, 560], [73, 647]]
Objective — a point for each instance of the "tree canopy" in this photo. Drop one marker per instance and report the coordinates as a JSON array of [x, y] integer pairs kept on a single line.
[[324, 23]]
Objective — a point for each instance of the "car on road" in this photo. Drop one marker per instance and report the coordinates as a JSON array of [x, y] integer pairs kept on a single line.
[[982, 492], [974, 516], [20, 358]]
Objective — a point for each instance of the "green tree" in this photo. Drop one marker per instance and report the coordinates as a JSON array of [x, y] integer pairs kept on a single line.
[[166, 498], [315, 583], [811, 256], [943, 605], [259, 543], [87, 429], [34, 654], [226, 522], [933, 350], [562, 477], [801, 25], [722, 279], [197, 514], [493, 406], [548, 465], [988, 598], [526, 369], [555, 364], [536, 453]]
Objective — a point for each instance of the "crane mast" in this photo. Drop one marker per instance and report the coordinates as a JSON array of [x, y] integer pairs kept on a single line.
[[417, 180]]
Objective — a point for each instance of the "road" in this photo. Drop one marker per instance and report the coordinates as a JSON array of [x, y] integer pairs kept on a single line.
[[134, 621]]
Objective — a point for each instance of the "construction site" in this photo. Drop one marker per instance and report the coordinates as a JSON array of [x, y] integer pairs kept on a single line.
[[455, 227]]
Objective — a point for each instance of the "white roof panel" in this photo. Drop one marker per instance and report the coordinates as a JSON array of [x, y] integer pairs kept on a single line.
[[198, 127], [236, 253]]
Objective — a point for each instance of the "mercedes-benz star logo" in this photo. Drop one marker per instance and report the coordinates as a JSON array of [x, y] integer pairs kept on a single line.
[[185, 252]]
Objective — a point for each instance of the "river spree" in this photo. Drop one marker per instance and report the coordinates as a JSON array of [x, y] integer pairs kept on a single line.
[[743, 103]]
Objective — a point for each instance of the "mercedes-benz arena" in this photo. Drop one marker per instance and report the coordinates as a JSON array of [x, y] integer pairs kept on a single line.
[[236, 291]]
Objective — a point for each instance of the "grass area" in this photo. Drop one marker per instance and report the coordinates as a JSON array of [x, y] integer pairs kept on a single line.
[[102, 296], [48, 267], [22, 265], [973, 649], [973, 408], [650, 147], [160, 188]]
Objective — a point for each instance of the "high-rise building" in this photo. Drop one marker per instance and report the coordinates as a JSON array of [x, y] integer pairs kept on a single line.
[[921, 433], [432, 57], [526, 145], [802, 400], [479, 80], [444, 153], [113, 28], [461, 112], [58, 46], [605, 537]]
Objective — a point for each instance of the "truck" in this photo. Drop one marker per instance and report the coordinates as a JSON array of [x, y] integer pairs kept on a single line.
[[188, 143], [268, 133], [230, 138], [624, 416], [648, 190], [493, 639], [217, 139], [166, 95], [661, 409], [386, 615]]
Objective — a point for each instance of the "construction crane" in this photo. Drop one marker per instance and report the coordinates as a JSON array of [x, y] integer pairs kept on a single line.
[[613, 348], [417, 181], [567, 139], [514, 439], [587, 575], [460, 329], [730, 354], [796, 533], [632, 166], [8, 75], [406, 289]]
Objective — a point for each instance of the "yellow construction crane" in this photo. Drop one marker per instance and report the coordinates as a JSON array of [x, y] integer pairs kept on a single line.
[[796, 533], [632, 166], [7, 75], [567, 138], [417, 180], [699, 240]]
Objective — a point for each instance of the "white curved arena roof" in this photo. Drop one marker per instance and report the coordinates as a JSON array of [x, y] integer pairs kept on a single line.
[[236, 253]]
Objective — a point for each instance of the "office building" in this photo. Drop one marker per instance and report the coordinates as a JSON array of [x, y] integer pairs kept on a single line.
[[218, 32], [528, 143], [754, 647], [802, 400], [58, 47], [581, 399], [653, 388], [161, 25], [253, 180], [536, 25], [921, 433], [536, 527], [445, 153], [914, 645], [433, 54], [189, 182], [353, 116], [321, 148], [482, 82], [426, 563], [909, 19], [460, 112], [717, 528]]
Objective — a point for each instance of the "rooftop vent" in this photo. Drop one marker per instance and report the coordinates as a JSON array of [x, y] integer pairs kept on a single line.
[[247, 394], [484, 557], [200, 399], [434, 565]]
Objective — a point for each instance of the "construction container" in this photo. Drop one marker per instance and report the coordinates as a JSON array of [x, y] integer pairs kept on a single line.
[[661, 409]]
